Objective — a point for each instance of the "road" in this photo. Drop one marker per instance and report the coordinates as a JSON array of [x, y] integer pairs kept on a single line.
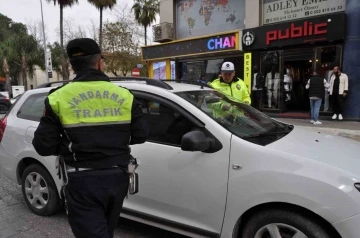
[[16, 220]]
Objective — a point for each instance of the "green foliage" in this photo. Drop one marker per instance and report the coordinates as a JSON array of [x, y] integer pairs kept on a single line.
[[145, 12], [103, 4], [18, 49], [121, 50]]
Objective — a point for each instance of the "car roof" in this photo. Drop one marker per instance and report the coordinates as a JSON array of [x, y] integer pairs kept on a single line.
[[136, 85]]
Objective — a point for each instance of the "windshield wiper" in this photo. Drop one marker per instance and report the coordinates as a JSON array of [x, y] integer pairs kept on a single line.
[[267, 134]]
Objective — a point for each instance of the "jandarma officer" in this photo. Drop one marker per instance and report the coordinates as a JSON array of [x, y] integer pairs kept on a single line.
[[90, 124], [230, 85]]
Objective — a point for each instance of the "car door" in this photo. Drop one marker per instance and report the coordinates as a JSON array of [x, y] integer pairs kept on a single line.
[[179, 188]]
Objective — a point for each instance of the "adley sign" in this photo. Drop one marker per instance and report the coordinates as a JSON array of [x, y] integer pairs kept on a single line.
[[275, 11]]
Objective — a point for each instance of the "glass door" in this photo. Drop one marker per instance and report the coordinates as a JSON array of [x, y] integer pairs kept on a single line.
[[271, 64]]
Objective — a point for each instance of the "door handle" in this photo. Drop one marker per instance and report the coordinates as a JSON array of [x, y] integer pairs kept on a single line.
[[236, 166]]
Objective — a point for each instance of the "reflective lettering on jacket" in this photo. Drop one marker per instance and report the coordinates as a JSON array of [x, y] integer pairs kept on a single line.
[[91, 103], [237, 89]]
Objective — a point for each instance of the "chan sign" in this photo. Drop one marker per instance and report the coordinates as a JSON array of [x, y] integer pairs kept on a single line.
[[275, 11]]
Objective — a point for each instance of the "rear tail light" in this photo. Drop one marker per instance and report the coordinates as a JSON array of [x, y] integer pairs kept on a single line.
[[2, 127]]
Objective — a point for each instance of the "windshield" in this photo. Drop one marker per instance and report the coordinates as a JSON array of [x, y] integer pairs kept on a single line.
[[240, 119]]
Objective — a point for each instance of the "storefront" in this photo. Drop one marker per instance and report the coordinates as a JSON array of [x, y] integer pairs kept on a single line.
[[195, 59], [292, 51]]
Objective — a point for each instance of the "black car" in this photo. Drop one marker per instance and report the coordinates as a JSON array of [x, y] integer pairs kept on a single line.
[[4, 103]]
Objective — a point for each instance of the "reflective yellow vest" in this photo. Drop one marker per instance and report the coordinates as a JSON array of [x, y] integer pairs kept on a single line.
[[236, 89], [91, 103]]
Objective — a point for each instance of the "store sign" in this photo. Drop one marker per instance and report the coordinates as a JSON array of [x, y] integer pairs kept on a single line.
[[294, 31], [275, 11], [247, 70], [248, 39], [193, 47], [222, 42], [324, 28]]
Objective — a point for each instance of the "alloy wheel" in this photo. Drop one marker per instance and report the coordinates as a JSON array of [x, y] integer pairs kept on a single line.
[[36, 190], [279, 230]]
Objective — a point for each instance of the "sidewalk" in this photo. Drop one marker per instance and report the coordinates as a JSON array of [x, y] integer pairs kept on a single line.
[[350, 129]]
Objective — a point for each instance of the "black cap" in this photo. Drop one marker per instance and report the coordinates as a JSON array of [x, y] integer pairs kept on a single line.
[[82, 47]]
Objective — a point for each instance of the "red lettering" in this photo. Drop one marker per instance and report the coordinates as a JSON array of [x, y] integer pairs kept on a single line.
[[270, 36], [318, 30], [296, 31], [308, 29]]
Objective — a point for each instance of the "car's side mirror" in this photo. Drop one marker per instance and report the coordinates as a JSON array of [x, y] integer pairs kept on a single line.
[[195, 141]]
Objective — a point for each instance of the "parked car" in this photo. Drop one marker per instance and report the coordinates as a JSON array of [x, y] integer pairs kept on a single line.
[[5, 103], [12, 100], [206, 172]]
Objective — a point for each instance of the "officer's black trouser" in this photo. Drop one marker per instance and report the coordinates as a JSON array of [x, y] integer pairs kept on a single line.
[[94, 200]]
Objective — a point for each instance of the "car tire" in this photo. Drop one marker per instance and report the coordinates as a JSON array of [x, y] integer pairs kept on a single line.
[[287, 223], [39, 191], [3, 107]]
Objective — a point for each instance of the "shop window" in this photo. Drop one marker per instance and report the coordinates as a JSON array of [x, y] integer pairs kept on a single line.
[[173, 69], [159, 70], [326, 58], [209, 70], [270, 68]]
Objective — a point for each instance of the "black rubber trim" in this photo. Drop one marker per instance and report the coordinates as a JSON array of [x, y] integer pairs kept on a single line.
[[169, 223]]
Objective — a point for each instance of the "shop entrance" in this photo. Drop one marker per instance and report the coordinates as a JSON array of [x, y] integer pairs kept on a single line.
[[297, 73]]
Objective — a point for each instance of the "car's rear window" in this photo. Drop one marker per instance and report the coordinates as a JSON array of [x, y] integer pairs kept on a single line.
[[33, 107]]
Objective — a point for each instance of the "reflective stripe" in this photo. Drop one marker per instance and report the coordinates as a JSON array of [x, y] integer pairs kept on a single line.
[[70, 147], [96, 124]]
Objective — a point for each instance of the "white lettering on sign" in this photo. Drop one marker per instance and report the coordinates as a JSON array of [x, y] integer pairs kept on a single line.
[[286, 10]]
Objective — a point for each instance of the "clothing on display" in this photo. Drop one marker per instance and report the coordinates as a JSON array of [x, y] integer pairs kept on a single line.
[[288, 84], [272, 84]]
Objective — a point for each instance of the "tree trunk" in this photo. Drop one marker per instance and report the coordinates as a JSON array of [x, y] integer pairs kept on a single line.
[[145, 28], [6, 71], [23, 71], [100, 31], [62, 60]]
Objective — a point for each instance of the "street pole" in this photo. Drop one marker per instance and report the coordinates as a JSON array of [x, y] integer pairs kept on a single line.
[[43, 26]]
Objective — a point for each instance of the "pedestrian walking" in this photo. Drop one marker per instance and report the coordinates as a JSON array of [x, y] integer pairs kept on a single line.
[[90, 123], [231, 85], [316, 86], [339, 86]]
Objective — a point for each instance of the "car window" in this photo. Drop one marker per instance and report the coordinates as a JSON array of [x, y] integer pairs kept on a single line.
[[166, 126], [33, 107], [240, 119]]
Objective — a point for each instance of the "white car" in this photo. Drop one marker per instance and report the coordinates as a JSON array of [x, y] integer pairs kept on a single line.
[[209, 172]]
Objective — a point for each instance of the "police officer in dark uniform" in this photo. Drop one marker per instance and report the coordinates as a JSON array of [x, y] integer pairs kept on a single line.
[[90, 123]]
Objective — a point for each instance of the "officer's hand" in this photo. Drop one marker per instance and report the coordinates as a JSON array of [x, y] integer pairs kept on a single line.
[[226, 107]]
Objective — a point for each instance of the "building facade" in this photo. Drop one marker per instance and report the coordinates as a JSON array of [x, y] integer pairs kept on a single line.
[[286, 39]]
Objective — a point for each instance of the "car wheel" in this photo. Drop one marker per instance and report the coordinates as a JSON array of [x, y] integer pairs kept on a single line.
[[3, 107], [282, 224], [39, 191]]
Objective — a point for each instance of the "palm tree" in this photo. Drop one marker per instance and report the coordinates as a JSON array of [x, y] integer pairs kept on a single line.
[[6, 53], [145, 12], [62, 4], [101, 5]]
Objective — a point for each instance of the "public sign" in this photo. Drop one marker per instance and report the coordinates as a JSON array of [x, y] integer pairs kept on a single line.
[[319, 29], [135, 72], [247, 70], [49, 64], [275, 11]]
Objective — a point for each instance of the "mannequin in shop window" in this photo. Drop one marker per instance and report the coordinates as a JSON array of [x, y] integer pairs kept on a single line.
[[287, 84], [272, 84]]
